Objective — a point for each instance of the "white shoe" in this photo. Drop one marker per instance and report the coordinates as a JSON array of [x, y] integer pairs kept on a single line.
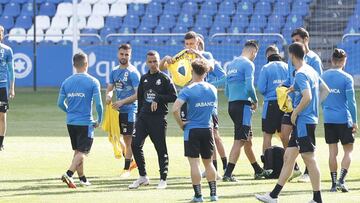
[[142, 180], [85, 184], [305, 178], [218, 176], [266, 198], [203, 174], [312, 201], [162, 184], [125, 174]]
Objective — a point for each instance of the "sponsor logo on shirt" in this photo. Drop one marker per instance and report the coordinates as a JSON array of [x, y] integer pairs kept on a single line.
[[158, 82], [278, 81], [335, 91], [150, 95], [76, 94], [204, 104], [232, 71]]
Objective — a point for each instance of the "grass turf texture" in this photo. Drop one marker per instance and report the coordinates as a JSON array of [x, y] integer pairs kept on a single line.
[[38, 151]]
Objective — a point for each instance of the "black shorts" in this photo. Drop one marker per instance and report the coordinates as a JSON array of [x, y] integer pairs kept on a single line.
[[81, 137], [4, 102], [127, 123], [271, 117], [199, 142], [335, 132], [286, 119], [215, 120], [303, 137], [183, 112], [241, 113]]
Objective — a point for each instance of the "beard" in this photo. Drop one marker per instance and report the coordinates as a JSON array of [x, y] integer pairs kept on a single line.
[[123, 61]]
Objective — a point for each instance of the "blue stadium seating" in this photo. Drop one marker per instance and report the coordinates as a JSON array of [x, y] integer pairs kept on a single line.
[[27, 10], [216, 29], [136, 9], [113, 22], [209, 8], [19, 1], [106, 31], [263, 8], [241, 21], [167, 20], [4, 1], [245, 8], [300, 7], [24, 22], [154, 8], [222, 21], [161, 39], [149, 21], [258, 21], [201, 30], [7, 21], [282, 8], [132, 21], [185, 20], [142, 30], [172, 8], [227, 7], [48, 9], [189, 8], [204, 20], [12, 9]]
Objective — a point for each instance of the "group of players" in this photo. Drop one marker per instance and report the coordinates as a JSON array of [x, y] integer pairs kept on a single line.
[[142, 102]]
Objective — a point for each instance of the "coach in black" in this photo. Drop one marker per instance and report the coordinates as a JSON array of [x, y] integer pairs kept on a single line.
[[155, 91]]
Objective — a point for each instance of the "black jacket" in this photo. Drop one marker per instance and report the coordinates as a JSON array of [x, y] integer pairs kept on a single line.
[[156, 87]]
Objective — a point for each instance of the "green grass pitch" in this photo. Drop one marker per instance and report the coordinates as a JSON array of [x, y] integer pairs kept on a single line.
[[38, 151]]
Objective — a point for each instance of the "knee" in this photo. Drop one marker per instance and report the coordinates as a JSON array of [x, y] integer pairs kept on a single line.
[[2, 117], [248, 145]]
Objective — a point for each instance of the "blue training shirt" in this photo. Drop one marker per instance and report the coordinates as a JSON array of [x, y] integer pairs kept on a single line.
[[125, 80], [307, 78], [217, 73], [6, 65], [79, 91], [201, 100], [340, 106], [240, 80], [271, 76]]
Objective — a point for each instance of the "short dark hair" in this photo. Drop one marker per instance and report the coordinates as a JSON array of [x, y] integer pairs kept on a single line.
[[200, 66], [301, 32], [79, 60], [272, 48], [190, 35], [338, 54], [297, 49], [252, 44], [153, 53], [125, 47]]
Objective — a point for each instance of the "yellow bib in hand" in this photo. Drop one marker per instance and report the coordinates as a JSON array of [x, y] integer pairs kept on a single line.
[[180, 70], [284, 101]]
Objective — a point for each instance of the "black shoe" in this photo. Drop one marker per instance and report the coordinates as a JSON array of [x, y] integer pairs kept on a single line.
[[264, 173], [229, 179], [333, 188], [342, 187]]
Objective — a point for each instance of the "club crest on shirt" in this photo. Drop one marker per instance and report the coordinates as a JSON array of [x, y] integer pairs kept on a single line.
[[158, 82]]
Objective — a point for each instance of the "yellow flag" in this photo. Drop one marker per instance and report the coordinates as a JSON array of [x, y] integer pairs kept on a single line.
[[180, 70], [111, 126], [284, 101]]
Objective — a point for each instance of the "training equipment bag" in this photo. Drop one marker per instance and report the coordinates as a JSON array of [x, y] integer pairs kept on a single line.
[[274, 159]]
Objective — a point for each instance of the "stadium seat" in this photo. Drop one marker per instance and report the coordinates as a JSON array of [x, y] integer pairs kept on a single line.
[[144, 30], [68, 34], [300, 7], [64, 9], [185, 20], [154, 8], [126, 30], [131, 21], [81, 22], [111, 1], [189, 8], [276, 20], [272, 29], [89, 31], [351, 29], [100, 9], [53, 35], [263, 8], [222, 20], [19, 1], [209, 8], [84, 9], [236, 29], [54, 1], [258, 21], [245, 8], [204, 20], [180, 29], [89, 40], [136, 9], [12, 9], [161, 39], [17, 34], [27, 10], [216, 29], [253, 29], [59, 22], [294, 20], [23, 22], [42, 22], [200, 30], [48, 9], [114, 22], [214, 1], [240, 21], [95, 22], [282, 8], [106, 31], [118, 9], [178, 40], [143, 1], [39, 35], [149, 21], [227, 7], [167, 20], [172, 8]]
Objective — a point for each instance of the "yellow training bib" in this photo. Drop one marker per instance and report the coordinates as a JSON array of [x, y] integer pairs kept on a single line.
[[180, 70]]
